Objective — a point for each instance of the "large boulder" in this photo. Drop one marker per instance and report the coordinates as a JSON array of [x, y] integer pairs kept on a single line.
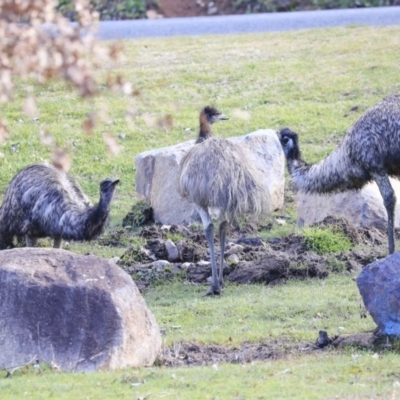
[[80, 313], [361, 208], [157, 183], [379, 285]]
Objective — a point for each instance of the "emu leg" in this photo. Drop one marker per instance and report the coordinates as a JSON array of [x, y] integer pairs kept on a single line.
[[389, 200], [209, 232], [223, 228], [57, 243]]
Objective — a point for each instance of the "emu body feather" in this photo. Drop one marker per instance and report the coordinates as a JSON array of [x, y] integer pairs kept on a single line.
[[42, 201]]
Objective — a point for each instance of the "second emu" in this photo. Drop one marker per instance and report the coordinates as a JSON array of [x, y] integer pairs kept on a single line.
[[43, 201], [217, 177], [370, 151]]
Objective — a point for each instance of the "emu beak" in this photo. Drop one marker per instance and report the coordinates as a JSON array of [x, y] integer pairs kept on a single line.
[[222, 117], [115, 182]]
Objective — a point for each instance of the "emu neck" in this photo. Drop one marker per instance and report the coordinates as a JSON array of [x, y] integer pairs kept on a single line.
[[205, 129], [103, 207], [331, 175]]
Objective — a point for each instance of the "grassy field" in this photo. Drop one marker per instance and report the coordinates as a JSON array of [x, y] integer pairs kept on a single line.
[[317, 82]]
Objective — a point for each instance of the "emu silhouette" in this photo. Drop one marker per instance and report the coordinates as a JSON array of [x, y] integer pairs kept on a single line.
[[217, 177], [370, 151], [43, 201]]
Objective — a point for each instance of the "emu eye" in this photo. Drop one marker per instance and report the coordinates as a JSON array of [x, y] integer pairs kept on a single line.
[[285, 140]]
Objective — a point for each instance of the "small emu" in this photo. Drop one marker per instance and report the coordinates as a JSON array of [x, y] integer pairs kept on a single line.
[[370, 151], [216, 176], [43, 201]]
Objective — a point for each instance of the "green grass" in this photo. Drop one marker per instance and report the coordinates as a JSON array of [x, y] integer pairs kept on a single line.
[[308, 80], [325, 240], [348, 375], [295, 311]]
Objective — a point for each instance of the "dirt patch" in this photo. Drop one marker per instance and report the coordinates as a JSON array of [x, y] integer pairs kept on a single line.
[[166, 252], [195, 354]]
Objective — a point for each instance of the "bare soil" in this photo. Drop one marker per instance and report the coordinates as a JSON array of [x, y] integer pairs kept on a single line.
[[248, 258], [195, 354]]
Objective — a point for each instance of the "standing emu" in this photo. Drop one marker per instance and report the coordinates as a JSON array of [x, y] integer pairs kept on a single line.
[[216, 176], [43, 201], [369, 152]]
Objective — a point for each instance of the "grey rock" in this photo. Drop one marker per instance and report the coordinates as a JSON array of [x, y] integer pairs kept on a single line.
[[234, 249], [80, 313], [361, 208], [379, 285], [172, 250], [233, 259], [161, 264]]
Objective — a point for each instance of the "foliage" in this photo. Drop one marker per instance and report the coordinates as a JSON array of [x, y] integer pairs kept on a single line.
[[141, 213], [326, 240], [108, 9], [57, 51]]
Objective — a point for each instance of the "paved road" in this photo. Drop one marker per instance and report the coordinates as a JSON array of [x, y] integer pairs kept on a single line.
[[248, 23]]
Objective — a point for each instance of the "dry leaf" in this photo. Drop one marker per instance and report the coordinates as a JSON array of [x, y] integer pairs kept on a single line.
[[4, 133], [90, 123], [149, 120], [61, 160], [112, 145], [46, 138], [166, 121], [29, 107]]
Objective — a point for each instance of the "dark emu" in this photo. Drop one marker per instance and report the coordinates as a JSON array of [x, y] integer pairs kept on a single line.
[[217, 177], [43, 201], [370, 151]]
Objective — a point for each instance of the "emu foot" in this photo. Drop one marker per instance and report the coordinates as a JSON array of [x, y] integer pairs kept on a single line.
[[213, 291]]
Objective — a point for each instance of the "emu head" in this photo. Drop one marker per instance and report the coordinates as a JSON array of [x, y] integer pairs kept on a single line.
[[289, 142], [213, 115], [107, 188]]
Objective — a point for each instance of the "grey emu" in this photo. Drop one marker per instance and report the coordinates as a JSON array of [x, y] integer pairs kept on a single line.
[[43, 201], [216, 176], [370, 151]]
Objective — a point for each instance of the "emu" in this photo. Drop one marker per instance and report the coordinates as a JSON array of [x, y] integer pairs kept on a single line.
[[43, 201], [216, 176], [370, 151]]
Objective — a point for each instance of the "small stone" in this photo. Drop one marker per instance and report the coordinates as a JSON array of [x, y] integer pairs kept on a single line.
[[235, 249], [122, 135], [233, 259], [203, 263], [172, 250], [280, 222], [161, 264]]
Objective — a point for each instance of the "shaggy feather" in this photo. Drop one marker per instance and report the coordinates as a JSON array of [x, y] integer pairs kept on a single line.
[[215, 174], [42, 201]]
